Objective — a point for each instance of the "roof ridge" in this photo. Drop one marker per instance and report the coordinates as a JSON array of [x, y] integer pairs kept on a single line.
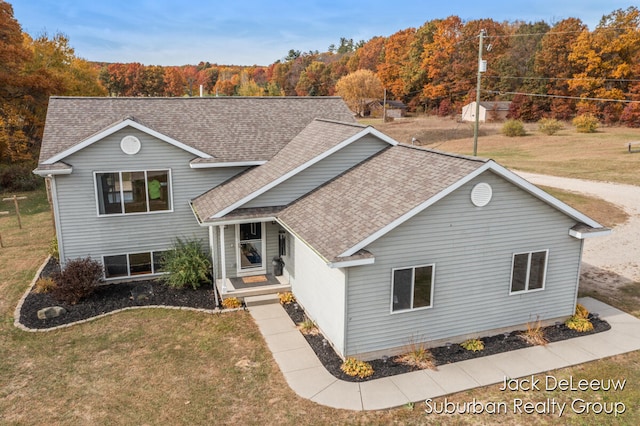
[[345, 123], [445, 153]]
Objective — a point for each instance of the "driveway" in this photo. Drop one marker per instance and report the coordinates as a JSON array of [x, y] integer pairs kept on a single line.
[[618, 253]]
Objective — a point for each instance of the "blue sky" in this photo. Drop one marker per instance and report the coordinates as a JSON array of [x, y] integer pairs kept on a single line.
[[248, 32]]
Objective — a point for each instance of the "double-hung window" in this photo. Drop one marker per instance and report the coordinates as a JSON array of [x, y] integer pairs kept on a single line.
[[528, 271], [412, 288], [129, 192]]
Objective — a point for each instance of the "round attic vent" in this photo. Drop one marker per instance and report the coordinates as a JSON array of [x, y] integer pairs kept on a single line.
[[481, 194], [130, 145]]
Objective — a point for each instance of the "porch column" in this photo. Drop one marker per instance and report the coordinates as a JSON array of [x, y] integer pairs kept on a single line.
[[212, 246], [223, 266]]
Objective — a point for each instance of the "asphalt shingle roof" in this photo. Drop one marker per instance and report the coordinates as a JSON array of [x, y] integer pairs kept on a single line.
[[317, 138], [344, 212], [227, 128]]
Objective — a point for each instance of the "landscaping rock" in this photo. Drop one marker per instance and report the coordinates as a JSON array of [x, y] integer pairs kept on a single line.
[[51, 312], [141, 292]]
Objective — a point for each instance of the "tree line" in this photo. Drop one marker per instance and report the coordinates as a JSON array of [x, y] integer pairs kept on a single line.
[[555, 70]]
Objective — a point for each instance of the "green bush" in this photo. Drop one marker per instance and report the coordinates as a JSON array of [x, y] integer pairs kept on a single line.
[[473, 345], [186, 264], [586, 123], [549, 126], [513, 128], [77, 280], [53, 248], [18, 178]]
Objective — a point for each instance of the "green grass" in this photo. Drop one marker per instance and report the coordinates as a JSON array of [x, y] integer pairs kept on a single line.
[[159, 367]]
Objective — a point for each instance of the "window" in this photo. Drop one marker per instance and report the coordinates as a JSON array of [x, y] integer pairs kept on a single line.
[[528, 271], [132, 264], [133, 191], [412, 288]]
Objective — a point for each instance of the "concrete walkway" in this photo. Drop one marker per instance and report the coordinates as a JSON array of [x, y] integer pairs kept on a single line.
[[309, 379]]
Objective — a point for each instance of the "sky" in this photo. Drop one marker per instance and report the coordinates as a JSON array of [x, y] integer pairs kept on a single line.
[[255, 32]]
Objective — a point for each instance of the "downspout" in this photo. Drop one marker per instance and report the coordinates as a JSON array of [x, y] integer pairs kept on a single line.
[[213, 264], [575, 297], [346, 313], [56, 218]]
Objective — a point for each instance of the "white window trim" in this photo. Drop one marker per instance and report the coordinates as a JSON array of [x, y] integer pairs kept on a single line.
[[95, 190], [413, 275], [544, 275], [124, 277], [263, 244]]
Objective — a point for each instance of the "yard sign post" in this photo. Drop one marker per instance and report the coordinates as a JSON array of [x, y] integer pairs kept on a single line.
[[2, 245], [15, 200]]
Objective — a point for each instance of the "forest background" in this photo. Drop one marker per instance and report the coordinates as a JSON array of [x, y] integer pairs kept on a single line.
[[556, 70]]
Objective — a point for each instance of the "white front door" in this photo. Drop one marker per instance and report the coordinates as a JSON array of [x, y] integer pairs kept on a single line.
[[251, 248]]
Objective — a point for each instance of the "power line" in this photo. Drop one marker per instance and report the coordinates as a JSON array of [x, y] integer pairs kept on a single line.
[[619, 80], [496, 92]]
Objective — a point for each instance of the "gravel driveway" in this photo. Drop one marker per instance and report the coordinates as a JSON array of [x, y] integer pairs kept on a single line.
[[619, 252]]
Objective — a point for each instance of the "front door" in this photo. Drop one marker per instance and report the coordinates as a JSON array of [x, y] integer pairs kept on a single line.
[[250, 240]]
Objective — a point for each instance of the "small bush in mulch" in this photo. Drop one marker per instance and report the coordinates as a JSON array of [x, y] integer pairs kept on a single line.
[[77, 281], [389, 366]]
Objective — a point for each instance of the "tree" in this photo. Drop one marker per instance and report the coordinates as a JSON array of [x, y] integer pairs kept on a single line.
[[396, 56], [357, 87], [552, 62], [607, 59], [314, 80]]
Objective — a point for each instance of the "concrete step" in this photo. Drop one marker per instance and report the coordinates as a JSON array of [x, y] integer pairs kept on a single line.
[[263, 299]]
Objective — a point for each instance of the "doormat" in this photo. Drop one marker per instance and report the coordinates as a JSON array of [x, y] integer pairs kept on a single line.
[[255, 279]]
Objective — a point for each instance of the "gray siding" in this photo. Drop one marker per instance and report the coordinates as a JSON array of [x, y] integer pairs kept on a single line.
[[321, 172], [472, 250], [86, 234]]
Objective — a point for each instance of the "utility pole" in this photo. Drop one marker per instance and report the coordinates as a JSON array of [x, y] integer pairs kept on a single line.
[[482, 66], [384, 106]]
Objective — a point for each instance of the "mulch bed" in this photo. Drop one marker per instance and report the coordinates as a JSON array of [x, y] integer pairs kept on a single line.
[[443, 354], [111, 297]]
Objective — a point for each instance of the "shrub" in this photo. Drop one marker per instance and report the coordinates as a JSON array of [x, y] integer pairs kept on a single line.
[[44, 285], [418, 356], [549, 126], [286, 298], [581, 311], [308, 327], [513, 128], [354, 367], [18, 177], [474, 345], [186, 264], [586, 123], [77, 280], [53, 248], [231, 303], [579, 324], [534, 334]]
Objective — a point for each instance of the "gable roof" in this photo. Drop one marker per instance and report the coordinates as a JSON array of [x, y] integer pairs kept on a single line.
[[344, 216], [317, 141], [351, 209], [226, 129]]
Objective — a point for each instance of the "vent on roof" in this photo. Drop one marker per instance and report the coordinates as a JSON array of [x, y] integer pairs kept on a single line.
[[130, 145], [481, 194]]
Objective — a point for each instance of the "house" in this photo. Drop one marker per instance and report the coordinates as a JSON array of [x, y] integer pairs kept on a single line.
[[395, 109], [383, 244], [488, 111]]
